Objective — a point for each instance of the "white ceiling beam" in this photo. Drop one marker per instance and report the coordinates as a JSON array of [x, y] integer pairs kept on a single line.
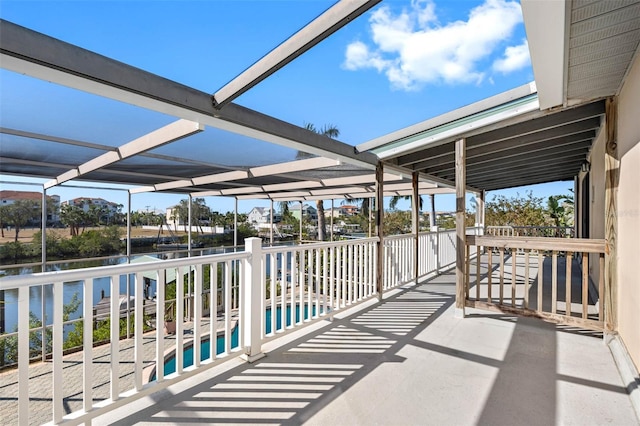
[[338, 191], [280, 195], [243, 190], [291, 185], [293, 166], [362, 179], [317, 30], [220, 177], [212, 193], [142, 189], [167, 134], [164, 135], [547, 29], [253, 197], [173, 185]]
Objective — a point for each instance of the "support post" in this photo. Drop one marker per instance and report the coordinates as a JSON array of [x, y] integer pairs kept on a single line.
[[480, 214], [128, 227], [300, 222], [432, 212], [460, 226], [271, 227], [43, 212], [44, 228], [251, 297], [576, 205], [235, 225], [332, 213], [190, 224], [379, 230], [415, 219], [612, 176]]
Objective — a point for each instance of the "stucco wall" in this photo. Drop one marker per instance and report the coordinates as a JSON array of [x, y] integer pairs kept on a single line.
[[629, 212]]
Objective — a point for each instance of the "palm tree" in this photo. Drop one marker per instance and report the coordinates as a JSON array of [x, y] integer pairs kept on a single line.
[[331, 131], [394, 201]]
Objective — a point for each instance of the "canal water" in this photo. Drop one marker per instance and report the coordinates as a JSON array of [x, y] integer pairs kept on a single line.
[[101, 288]]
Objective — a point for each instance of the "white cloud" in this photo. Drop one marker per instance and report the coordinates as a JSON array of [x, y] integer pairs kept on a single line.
[[413, 49], [515, 58]]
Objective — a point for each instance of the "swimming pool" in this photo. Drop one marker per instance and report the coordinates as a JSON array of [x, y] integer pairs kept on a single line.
[[187, 361]]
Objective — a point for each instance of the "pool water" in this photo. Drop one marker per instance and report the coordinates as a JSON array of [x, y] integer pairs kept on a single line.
[[187, 361]]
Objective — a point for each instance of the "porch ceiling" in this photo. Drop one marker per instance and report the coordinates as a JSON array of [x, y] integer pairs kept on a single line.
[[581, 50], [528, 146]]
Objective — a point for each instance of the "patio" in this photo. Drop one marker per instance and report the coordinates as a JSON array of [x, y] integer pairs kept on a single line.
[[388, 352], [406, 360]]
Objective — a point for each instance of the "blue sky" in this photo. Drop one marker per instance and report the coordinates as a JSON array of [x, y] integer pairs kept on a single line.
[[398, 64]]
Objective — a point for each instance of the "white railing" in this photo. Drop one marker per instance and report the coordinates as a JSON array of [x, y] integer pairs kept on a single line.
[[260, 293], [305, 282], [199, 273], [436, 252]]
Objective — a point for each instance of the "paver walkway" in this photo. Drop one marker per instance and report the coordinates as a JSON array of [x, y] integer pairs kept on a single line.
[[40, 378]]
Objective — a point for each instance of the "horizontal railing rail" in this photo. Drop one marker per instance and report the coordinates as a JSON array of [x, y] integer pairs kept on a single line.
[[545, 277]]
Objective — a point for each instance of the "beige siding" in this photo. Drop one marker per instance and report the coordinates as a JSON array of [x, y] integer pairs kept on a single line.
[[629, 212]]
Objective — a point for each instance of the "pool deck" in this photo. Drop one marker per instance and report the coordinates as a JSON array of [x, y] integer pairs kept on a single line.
[[40, 376], [406, 360]]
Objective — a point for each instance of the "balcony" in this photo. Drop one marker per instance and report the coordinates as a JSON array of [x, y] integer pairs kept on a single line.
[[335, 351]]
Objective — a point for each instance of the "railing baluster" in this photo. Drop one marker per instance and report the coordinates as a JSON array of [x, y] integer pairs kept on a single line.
[[489, 274], [180, 276], [568, 258], [527, 252], [138, 331], [87, 345], [554, 281], [540, 280], [325, 280], [239, 267], [332, 276], [315, 281], [160, 320], [197, 315], [601, 289], [350, 274], [115, 337], [284, 259], [501, 275], [58, 325], [585, 284], [467, 278], [274, 291], [302, 277], [514, 258], [295, 258], [344, 276], [23, 355], [213, 310], [361, 271], [477, 273], [227, 307]]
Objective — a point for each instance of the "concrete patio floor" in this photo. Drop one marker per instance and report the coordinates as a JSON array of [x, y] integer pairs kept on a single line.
[[406, 361]]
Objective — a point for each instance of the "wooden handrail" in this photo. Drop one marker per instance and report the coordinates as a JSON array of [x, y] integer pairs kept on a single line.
[[539, 243]]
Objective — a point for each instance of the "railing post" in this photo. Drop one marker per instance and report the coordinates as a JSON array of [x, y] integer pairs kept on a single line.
[[251, 295], [461, 269], [379, 230], [437, 249]]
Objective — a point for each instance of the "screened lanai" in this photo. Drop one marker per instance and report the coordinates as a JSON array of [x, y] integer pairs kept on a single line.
[[171, 145]]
